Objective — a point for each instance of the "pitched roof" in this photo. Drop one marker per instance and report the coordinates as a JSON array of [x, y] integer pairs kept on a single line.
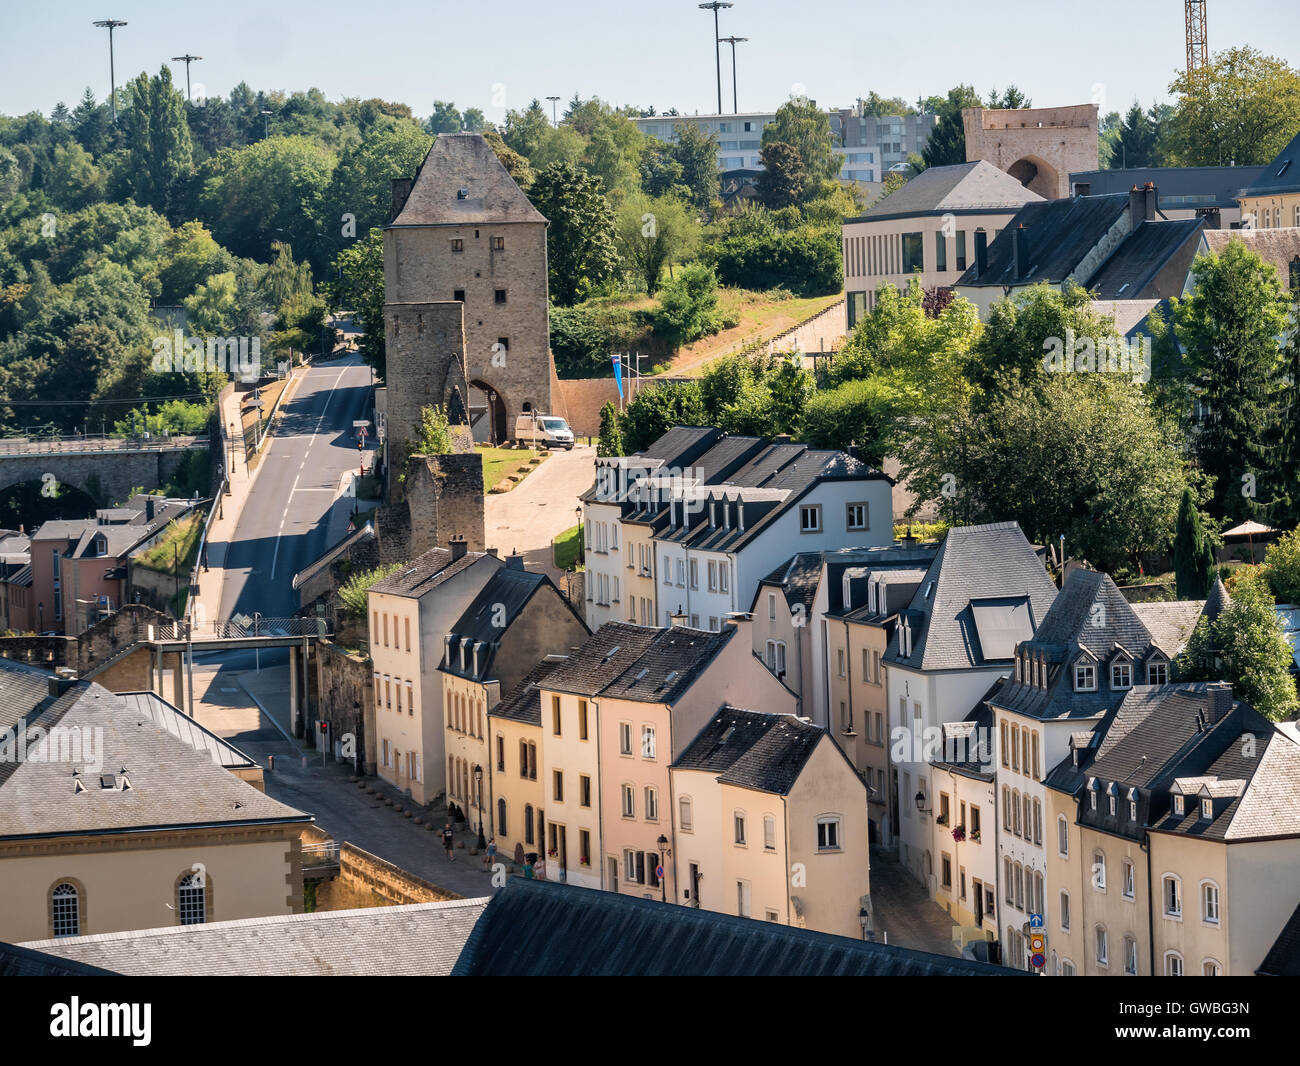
[[601, 658], [350, 943], [1277, 246], [184, 728], [523, 702], [426, 572], [1131, 268], [154, 780], [464, 163], [1179, 188], [1170, 622], [1283, 958], [976, 186], [544, 928], [487, 618], [668, 665], [1281, 175], [753, 749], [993, 564], [18, 961]]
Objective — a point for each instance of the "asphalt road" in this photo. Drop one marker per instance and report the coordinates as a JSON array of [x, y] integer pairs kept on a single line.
[[284, 524]]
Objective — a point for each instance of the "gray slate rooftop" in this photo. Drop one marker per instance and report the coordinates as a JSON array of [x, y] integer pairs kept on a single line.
[[464, 161], [977, 186]]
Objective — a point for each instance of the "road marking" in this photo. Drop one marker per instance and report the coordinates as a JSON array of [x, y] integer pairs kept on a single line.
[[310, 441]]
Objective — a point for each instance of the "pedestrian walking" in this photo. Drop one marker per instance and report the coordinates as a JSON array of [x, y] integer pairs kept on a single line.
[[528, 869], [491, 856], [448, 841]]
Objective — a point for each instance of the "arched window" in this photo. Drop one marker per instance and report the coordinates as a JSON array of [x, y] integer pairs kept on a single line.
[[1099, 871], [1015, 811], [1038, 821], [1103, 946], [65, 909], [1173, 964], [685, 821], [1039, 892], [192, 898], [501, 817], [1063, 836], [528, 824], [1171, 892], [1130, 956], [1211, 968]]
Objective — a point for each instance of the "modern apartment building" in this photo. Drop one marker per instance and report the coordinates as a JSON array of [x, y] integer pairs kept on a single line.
[[930, 229]]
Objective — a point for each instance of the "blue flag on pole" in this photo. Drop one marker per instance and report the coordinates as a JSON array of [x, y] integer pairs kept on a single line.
[[618, 373]]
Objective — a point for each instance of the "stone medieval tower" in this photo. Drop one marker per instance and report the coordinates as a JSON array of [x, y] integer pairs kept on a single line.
[[465, 308]]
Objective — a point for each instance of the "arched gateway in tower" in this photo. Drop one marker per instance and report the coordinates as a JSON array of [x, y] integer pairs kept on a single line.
[[465, 296]]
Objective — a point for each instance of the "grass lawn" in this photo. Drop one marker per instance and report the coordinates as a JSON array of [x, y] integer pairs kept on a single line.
[[180, 540], [568, 548], [500, 462]]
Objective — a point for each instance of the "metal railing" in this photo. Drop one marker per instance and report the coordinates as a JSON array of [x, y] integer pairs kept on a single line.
[[56, 444], [242, 627]]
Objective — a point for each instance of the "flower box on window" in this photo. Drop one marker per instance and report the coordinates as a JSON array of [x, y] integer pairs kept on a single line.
[[941, 820], [959, 833]]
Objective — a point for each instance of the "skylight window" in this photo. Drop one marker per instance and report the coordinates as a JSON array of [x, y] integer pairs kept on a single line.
[[1286, 163]]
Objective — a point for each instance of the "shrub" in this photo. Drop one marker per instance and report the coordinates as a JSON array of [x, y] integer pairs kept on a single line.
[[1282, 562], [688, 306], [354, 591], [806, 261]]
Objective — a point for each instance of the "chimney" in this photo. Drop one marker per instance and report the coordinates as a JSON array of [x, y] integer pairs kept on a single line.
[[514, 562], [1219, 695], [1020, 251], [492, 552], [148, 508], [1136, 207], [401, 190], [680, 618], [458, 547], [981, 253], [60, 684], [1150, 201]]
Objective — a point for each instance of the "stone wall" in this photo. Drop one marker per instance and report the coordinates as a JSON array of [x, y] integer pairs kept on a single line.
[[108, 476], [107, 638], [1038, 146], [343, 680], [579, 400], [442, 499], [365, 880]]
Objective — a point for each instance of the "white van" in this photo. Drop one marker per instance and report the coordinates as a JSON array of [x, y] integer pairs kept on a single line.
[[550, 431]]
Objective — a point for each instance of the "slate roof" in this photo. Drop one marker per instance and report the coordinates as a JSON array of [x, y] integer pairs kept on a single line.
[[464, 161], [751, 749], [544, 928], [171, 784], [23, 689], [1277, 246], [601, 658], [1091, 620], [1282, 175], [1143, 254], [187, 729], [967, 749], [1180, 188], [1130, 315], [350, 943], [985, 562], [523, 702], [1193, 739], [1283, 958], [1059, 233], [487, 618], [968, 187], [426, 572], [18, 961], [797, 578], [123, 528]]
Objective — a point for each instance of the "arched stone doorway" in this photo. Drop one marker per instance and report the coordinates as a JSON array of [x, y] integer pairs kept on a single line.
[[487, 413], [1035, 175]]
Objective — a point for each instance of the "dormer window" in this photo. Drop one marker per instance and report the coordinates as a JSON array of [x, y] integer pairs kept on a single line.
[[1178, 804], [1207, 808], [1157, 672], [1085, 677], [1121, 675]]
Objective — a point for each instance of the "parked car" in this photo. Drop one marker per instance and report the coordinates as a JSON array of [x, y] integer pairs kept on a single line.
[[550, 431]]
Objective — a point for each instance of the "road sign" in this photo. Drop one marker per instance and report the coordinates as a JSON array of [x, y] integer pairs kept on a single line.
[[361, 423], [1035, 921], [659, 872], [1038, 943], [1037, 961]]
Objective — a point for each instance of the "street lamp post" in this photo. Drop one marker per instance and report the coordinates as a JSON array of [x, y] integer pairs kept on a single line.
[[111, 25], [554, 100], [266, 119], [733, 41], [713, 6], [664, 852], [187, 59], [478, 792]]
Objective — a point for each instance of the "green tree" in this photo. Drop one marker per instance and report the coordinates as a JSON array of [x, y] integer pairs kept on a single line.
[[1010, 100], [1228, 328], [862, 413], [654, 233], [657, 409], [157, 136], [611, 435], [1246, 646], [73, 180], [688, 306], [516, 165], [359, 196], [1282, 564], [580, 239], [1288, 446], [697, 154], [354, 591], [801, 123], [1137, 140], [359, 288], [1243, 108], [946, 146], [878, 106], [783, 180], [445, 119], [1193, 554]]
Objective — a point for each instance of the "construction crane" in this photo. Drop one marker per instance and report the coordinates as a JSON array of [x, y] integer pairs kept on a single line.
[[1198, 48]]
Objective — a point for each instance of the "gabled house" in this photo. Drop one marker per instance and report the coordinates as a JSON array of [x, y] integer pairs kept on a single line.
[[1117, 246], [1272, 200], [1091, 649], [517, 619], [986, 590], [1174, 838], [771, 824]]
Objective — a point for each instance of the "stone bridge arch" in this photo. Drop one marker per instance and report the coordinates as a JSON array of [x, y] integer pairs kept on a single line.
[[106, 474], [1036, 175]]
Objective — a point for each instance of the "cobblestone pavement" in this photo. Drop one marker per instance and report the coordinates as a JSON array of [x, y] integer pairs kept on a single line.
[[903, 911]]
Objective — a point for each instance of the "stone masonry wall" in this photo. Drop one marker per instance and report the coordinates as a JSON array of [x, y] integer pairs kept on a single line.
[[443, 498], [1062, 138]]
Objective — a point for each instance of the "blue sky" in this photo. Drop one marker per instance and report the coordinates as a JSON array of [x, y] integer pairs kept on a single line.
[[486, 53]]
